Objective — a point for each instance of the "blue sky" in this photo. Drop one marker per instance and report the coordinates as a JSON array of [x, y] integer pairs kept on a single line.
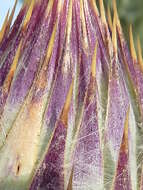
[[4, 6]]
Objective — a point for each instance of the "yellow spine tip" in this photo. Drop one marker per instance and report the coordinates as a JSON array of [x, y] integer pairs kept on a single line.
[[114, 34], [51, 43], [93, 64], [12, 14], [29, 13], [49, 7], [126, 127], [102, 11], [83, 23], [109, 18], [4, 26], [13, 67], [115, 7], [94, 6], [64, 115], [140, 59], [116, 13], [132, 47]]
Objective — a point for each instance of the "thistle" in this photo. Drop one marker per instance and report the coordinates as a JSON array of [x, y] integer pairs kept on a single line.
[[71, 99]]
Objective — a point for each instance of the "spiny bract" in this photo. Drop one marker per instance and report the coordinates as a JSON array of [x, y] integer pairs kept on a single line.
[[71, 99]]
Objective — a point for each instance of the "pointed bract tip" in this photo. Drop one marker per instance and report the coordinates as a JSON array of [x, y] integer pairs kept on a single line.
[[17, 56], [93, 64], [132, 46], [65, 111], [140, 59], [116, 13], [109, 17], [4, 26], [94, 6], [102, 11], [123, 159], [114, 34], [115, 7], [49, 7], [11, 15], [83, 25], [126, 127], [28, 14], [13, 67], [51, 43]]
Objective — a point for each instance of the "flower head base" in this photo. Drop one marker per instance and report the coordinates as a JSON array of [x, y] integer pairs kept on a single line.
[[71, 99]]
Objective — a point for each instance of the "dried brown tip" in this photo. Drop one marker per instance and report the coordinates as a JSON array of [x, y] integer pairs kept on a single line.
[[140, 59], [132, 47], [93, 64], [109, 17], [102, 11]]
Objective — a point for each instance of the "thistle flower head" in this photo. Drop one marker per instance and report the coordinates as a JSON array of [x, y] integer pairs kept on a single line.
[[71, 99]]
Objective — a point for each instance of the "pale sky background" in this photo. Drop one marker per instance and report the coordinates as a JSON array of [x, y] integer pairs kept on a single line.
[[5, 5]]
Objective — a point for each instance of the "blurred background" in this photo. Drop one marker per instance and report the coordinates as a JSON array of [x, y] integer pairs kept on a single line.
[[130, 11]]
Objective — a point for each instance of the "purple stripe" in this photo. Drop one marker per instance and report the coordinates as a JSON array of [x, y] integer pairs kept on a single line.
[[88, 169], [50, 174], [16, 28], [118, 102], [6, 64], [29, 67]]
